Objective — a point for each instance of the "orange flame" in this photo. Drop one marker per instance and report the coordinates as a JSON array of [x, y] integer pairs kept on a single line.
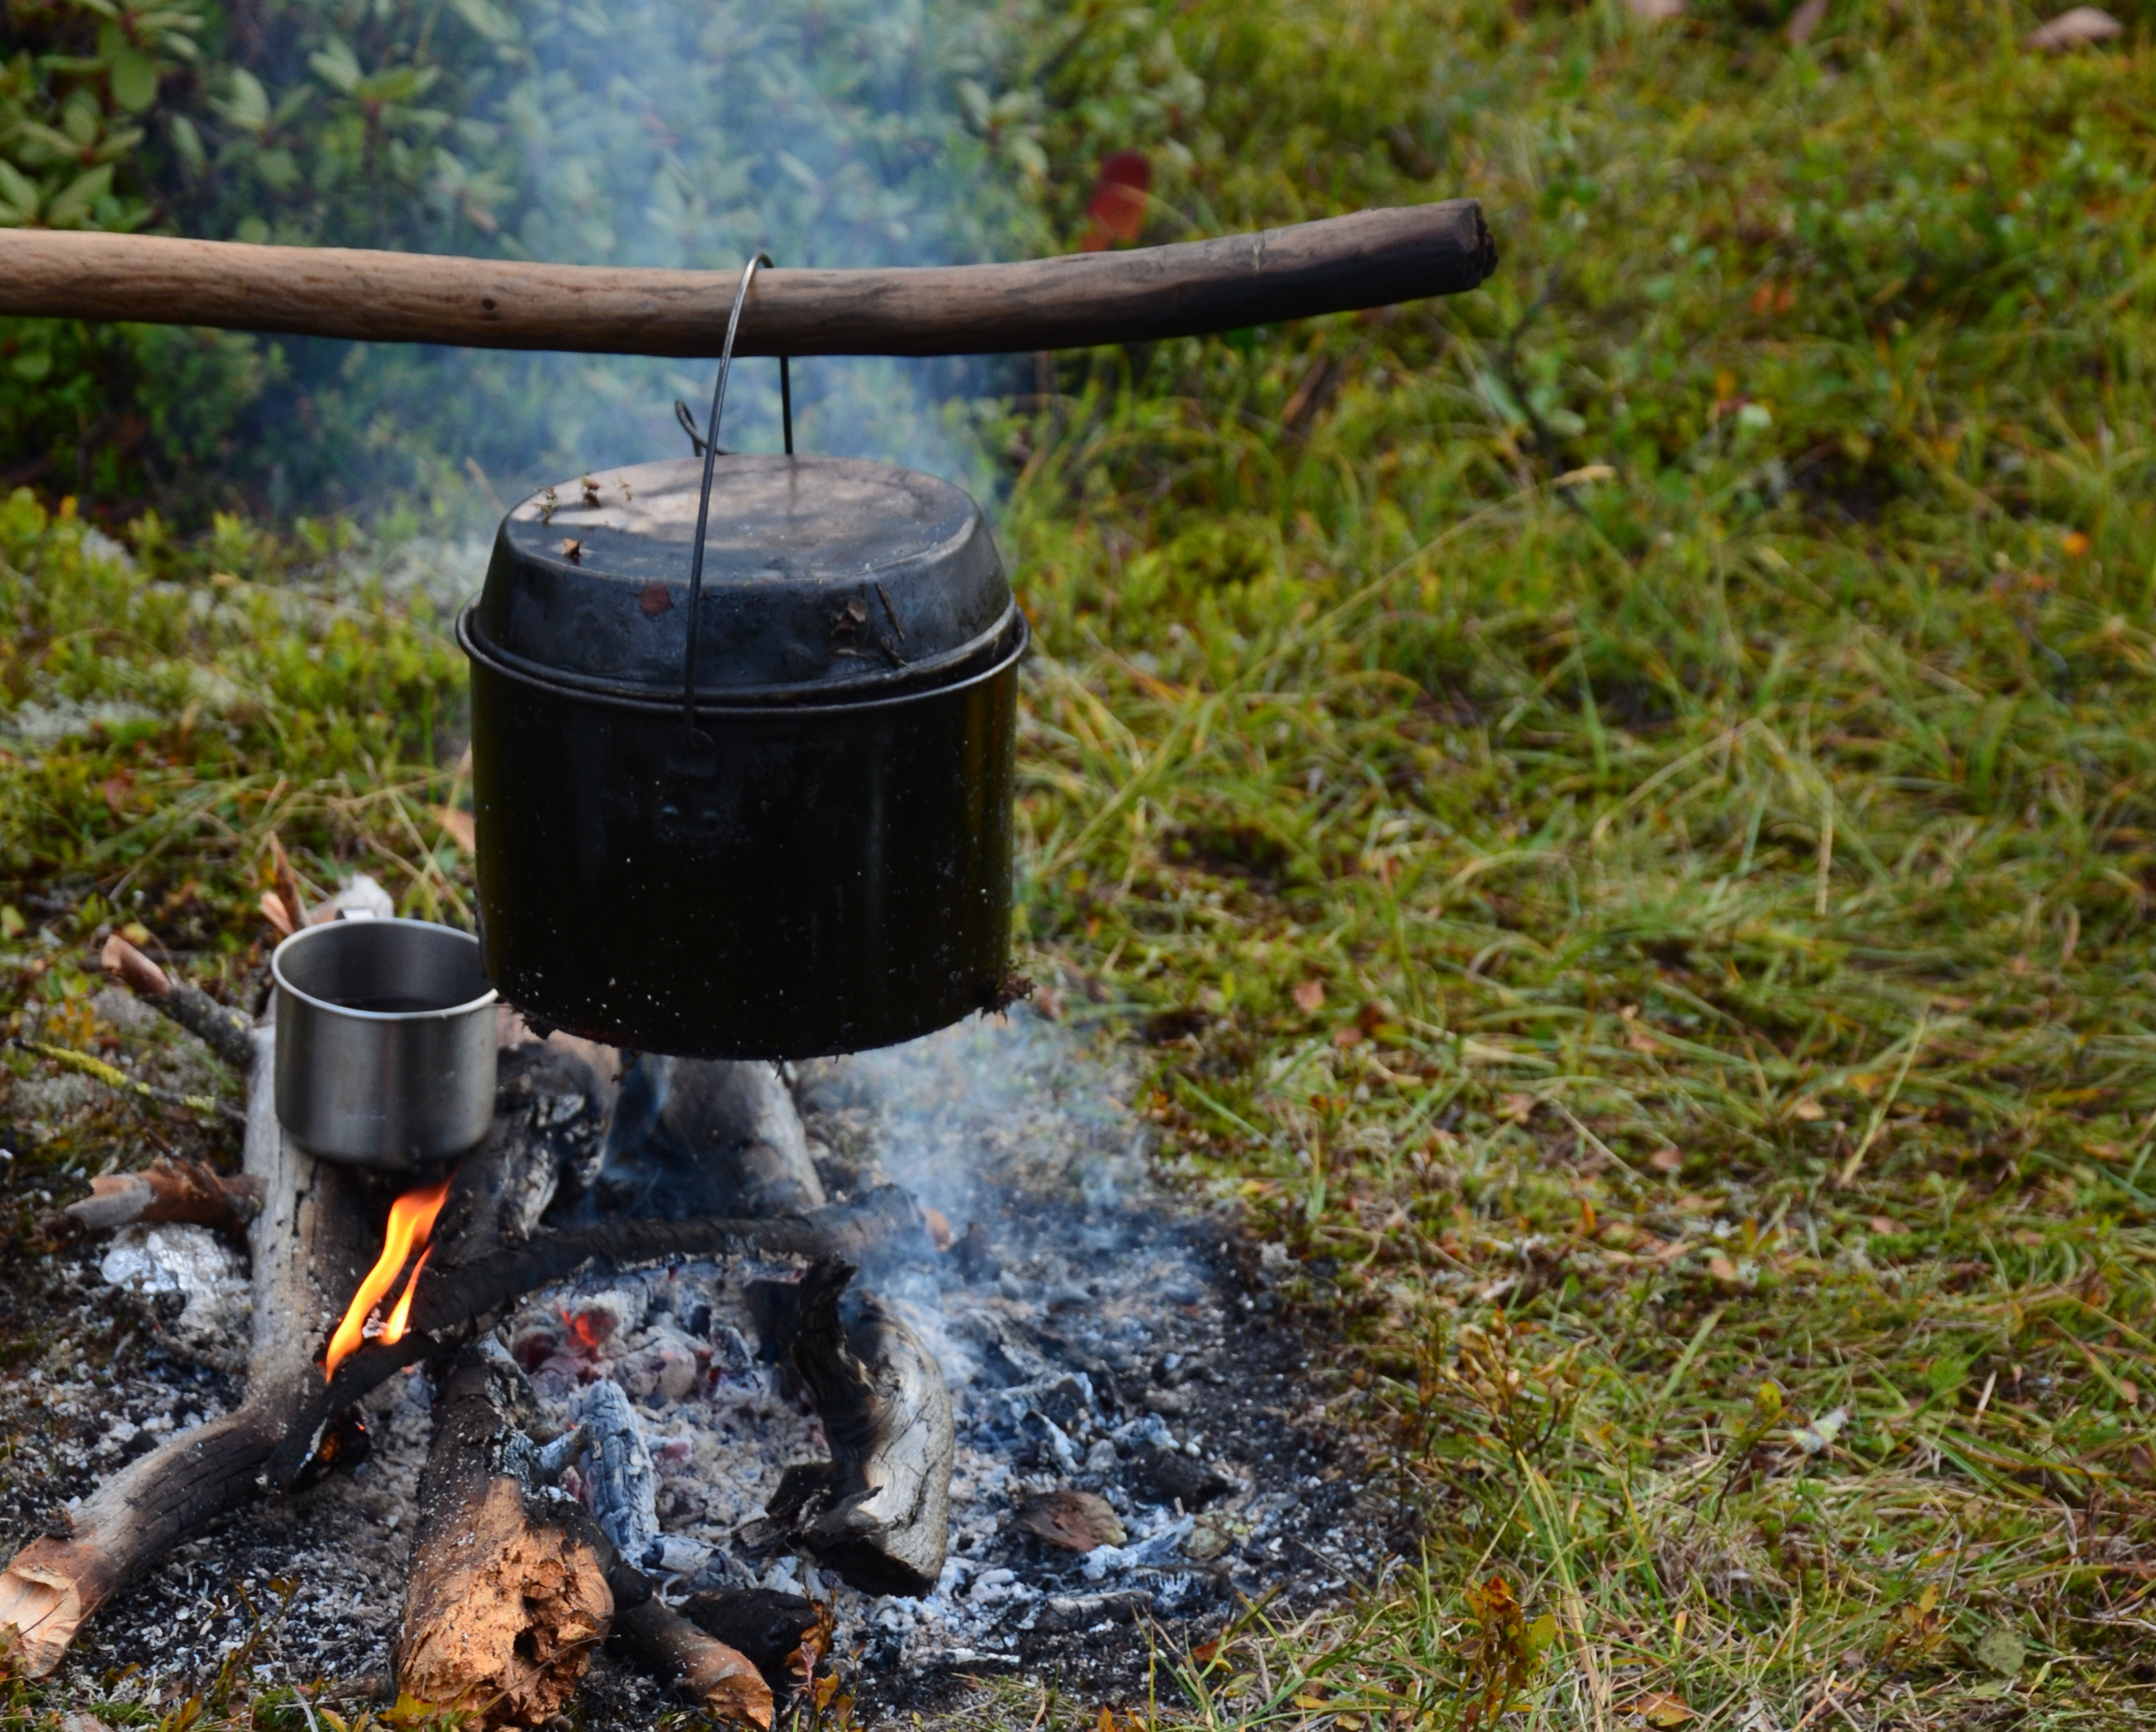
[[411, 1222]]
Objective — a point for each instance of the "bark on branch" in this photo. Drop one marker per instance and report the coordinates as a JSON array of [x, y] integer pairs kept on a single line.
[[1373, 257]]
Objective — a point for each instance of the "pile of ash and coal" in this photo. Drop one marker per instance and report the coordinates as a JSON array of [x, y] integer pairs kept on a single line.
[[1129, 1438]]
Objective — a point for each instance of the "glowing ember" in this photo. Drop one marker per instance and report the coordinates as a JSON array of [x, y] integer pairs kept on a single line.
[[411, 1222]]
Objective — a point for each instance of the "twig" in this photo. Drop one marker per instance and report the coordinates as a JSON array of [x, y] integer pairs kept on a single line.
[[113, 1077]]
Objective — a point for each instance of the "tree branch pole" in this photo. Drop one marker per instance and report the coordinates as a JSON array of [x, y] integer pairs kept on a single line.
[[1373, 257]]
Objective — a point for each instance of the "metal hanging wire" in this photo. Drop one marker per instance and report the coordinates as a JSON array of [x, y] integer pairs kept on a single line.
[[707, 448]]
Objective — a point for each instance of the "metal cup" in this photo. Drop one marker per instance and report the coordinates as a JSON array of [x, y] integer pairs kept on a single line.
[[386, 1041]]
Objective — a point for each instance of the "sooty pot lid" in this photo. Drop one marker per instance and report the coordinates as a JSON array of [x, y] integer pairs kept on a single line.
[[823, 578]]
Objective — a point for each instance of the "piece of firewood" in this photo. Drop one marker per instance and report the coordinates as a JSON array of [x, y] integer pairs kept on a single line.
[[311, 1240], [169, 1190], [507, 1593], [701, 1669], [706, 1137], [513, 1582], [878, 1511], [224, 1031], [1372, 258], [785, 1635]]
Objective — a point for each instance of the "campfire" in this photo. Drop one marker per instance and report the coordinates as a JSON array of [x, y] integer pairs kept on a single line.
[[730, 1374]]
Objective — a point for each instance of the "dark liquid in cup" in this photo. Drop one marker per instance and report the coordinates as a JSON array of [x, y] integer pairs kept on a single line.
[[393, 1004]]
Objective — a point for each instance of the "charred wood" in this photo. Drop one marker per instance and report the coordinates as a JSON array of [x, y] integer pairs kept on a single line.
[[701, 1669], [785, 1636], [513, 1583], [706, 1137], [879, 1512], [508, 1594]]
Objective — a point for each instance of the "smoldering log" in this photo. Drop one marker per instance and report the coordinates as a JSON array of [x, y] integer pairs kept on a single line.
[[170, 1190], [707, 1136], [224, 1031], [878, 1512], [513, 1583], [310, 1241], [507, 1593], [1372, 258]]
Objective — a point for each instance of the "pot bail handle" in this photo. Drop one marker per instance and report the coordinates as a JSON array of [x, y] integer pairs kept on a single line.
[[710, 455]]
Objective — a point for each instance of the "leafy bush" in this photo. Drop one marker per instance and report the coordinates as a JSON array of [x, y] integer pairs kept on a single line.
[[635, 133]]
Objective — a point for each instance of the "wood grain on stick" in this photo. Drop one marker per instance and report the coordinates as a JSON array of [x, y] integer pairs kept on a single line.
[[1373, 257]]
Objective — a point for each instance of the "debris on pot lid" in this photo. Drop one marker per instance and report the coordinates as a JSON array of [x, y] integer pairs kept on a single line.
[[828, 573]]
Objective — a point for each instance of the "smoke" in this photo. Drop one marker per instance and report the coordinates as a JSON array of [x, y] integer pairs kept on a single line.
[[679, 134]]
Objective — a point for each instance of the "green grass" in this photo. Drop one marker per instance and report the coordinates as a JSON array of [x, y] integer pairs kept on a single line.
[[1620, 811]]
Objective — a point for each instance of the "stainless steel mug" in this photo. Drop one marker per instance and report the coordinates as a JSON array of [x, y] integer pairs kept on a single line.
[[386, 1041]]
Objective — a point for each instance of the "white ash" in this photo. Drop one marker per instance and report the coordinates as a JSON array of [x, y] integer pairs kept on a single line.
[[172, 1257]]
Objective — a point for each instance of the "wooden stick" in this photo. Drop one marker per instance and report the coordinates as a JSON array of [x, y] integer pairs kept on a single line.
[[221, 1027], [1373, 257], [188, 1190]]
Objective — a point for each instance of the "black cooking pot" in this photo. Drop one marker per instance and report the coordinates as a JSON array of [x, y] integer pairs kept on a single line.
[[807, 850]]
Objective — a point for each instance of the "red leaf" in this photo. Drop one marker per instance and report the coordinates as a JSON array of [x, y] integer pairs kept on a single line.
[[1116, 209]]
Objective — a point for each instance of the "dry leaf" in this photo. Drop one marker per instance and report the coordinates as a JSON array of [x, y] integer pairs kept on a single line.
[[1665, 1160], [457, 824], [1076, 1521], [1805, 21], [1309, 996], [2131, 1390], [1661, 1709], [1886, 1224], [2076, 28], [1808, 1110], [1516, 1106], [1655, 12], [1721, 1268], [1348, 1036], [275, 912]]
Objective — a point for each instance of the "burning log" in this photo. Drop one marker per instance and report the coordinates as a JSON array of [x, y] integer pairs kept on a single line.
[[878, 1511], [467, 1294], [309, 1242], [182, 1190], [223, 1029], [1372, 258], [513, 1583]]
